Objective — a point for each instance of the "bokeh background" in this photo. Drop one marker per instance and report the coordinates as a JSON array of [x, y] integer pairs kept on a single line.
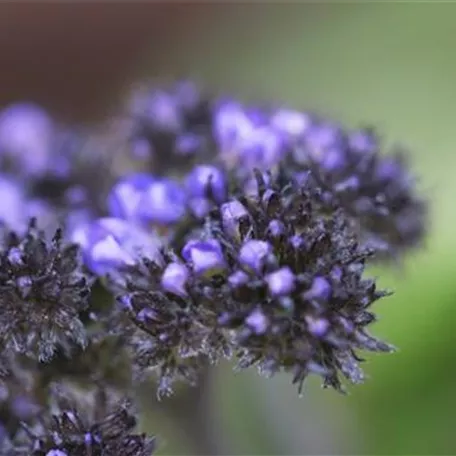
[[391, 65]]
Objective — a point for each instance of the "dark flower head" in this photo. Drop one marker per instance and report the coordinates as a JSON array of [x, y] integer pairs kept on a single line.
[[79, 177], [43, 290], [303, 310], [377, 192], [76, 426], [170, 128], [280, 285], [221, 229], [164, 333]]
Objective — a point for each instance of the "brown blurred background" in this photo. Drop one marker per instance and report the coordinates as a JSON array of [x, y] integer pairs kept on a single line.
[[73, 56]]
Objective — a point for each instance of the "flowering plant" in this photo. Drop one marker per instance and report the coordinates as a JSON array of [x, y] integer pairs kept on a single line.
[[191, 228]]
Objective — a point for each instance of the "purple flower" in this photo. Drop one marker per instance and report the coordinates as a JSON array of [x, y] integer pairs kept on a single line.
[[292, 124], [110, 243], [389, 169], [320, 289], [281, 282], [188, 144], [238, 279], [257, 322], [254, 254], [317, 326], [56, 452], [263, 148], [206, 180], [332, 160], [26, 133], [322, 137], [141, 149], [276, 229], [363, 141], [187, 95], [297, 242], [174, 279], [231, 123], [250, 186], [125, 197], [249, 239], [161, 108], [12, 196], [205, 257], [245, 137], [235, 219], [163, 202]]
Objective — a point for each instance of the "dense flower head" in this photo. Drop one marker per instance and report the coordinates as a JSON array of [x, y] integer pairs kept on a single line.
[[171, 127], [79, 177], [81, 426], [378, 192], [162, 331], [43, 290], [191, 228], [292, 298]]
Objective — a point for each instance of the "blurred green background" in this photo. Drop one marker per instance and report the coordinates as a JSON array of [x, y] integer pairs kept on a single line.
[[392, 66]]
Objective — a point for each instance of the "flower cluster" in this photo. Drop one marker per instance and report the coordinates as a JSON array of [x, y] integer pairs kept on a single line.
[[190, 229], [71, 427]]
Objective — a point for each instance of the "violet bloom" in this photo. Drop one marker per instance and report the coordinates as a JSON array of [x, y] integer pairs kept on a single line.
[[125, 197], [174, 279], [238, 279], [245, 138], [292, 124], [231, 124], [257, 322], [188, 144], [160, 108], [320, 289], [281, 282], [207, 181], [205, 257], [26, 135], [235, 219], [254, 254], [163, 203], [245, 234], [110, 243], [279, 252], [317, 326], [13, 200]]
